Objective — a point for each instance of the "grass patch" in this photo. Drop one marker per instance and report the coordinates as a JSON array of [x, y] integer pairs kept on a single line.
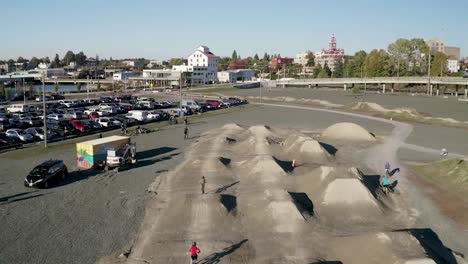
[[212, 91], [70, 143], [449, 175]]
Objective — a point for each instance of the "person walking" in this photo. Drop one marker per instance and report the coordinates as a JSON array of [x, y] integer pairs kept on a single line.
[[202, 184], [186, 132], [194, 251]]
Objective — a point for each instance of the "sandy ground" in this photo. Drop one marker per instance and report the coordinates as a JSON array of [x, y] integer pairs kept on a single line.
[[91, 217], [435, 106]]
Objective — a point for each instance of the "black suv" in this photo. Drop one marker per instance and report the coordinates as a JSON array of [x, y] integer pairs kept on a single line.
[[63, 128], [43, 174]]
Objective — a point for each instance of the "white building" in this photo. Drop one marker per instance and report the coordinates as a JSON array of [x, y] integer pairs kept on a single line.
[[55, 72], [329, 56], [122, 76], [453, 66], [205, 66], [302, 58], [233, 76]]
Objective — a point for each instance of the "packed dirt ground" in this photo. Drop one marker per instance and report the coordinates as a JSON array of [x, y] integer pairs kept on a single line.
[[255, 202]]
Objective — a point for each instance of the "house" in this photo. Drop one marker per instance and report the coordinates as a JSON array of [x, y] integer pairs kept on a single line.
[[279, 61], [122, 76], [453, 66], [205, 66]]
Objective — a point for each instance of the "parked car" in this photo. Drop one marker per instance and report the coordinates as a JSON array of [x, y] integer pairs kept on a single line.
[[108, 122], [57, 97], [215, 103], [92, 124], [61, 128], [31, 121], [5, 125], [73, 114], [19, 134], [57, 117], [7, 142], [68, 103], [39, 98], [36, 132], [43, 174], [93, 115], [79, 126]]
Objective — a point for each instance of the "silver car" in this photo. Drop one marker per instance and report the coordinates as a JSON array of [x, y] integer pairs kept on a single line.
[[17, 133]]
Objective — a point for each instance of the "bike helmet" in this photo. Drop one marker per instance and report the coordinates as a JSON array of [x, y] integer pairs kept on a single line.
[[194, 243], [387, 166]]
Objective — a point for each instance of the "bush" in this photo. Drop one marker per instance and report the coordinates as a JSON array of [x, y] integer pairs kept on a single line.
[[356, 89]]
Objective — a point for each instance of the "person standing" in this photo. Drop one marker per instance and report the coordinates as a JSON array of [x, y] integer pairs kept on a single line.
[[186, 132], [202, 184], [194, 251]]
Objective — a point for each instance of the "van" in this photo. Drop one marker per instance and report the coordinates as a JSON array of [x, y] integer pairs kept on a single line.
[[192, 104], [138, 115], [20, 108]]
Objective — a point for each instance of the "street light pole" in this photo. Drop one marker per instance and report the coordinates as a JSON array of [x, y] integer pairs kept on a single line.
[[24, 93], [429, 73], [44, 111]]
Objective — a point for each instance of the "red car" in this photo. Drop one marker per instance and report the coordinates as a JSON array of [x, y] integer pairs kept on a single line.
[[93, 115], [214, 103], [78, 125]]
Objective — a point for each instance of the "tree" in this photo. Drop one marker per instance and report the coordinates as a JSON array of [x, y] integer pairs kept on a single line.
[[80, 59], [223, 63], [378, 64], [310, 59], [234, 55], [338, 69], [358, 62], [78, 87], [56, 62], [69, 57], [34, 62], [317, 70], [176, 61], [56, 87], [266, 57], [21, 60], [256, 58], [31, 89], [236, 64], [439, 64]]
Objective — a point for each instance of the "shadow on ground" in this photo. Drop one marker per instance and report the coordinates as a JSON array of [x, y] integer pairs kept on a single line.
[[19, 197], [216, 257], [153, 152], [433, 246]]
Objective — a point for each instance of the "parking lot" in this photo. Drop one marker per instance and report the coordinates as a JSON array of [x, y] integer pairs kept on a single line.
[[23, 124]]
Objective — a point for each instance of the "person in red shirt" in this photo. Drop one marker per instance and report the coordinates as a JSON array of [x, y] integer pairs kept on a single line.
[[194, 251]]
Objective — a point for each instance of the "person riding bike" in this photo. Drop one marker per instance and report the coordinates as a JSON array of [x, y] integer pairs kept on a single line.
[[194, 251]]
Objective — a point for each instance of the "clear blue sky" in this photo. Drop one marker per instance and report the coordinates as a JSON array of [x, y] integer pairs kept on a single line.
[[172, 28]]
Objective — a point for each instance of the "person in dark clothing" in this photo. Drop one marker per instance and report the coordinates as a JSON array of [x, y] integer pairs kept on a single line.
[[186, 133]]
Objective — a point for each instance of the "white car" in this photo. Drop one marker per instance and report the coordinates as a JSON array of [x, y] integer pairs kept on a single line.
[[108, 122], [17, 133], [153, 115], [57, 117]]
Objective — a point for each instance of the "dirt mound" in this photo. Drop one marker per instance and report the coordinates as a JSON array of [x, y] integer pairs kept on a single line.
[[348, 192], [232, 127], [348, 131], [261, 131], [265, 167], [303, 145]]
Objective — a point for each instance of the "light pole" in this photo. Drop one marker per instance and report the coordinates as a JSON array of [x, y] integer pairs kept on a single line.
[[180, 92], [24, 93], [44, 110], [429, 73]]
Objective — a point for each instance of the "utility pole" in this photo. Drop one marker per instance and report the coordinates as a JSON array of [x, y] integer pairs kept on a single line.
[[44, 110], [180, 92], [24, 93], [429, 73]]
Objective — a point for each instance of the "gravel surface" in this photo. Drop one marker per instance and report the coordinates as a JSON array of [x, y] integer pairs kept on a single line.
[[88, 217]]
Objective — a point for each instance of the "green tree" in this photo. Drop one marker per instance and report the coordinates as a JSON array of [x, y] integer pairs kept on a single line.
[[21, 60], [338, 69], [234, 55], [317, 69], [439, 64], [34, 62], [80, 59], [7, 93], [325, 72], [56, 87], [378, 64], [176, 61], [69, 57], [56, 62], [310, 59], [358, 63], [78, 87], [356, 89], [266, 57], [256, 58]]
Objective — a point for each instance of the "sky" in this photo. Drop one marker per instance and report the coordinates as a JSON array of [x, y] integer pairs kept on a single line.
[[162, 29]]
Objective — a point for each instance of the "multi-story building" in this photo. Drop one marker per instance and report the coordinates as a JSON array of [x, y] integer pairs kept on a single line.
[[302, 58], [435, 45], [453, 66], [329, 56], [453, 53], [205, 66]]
